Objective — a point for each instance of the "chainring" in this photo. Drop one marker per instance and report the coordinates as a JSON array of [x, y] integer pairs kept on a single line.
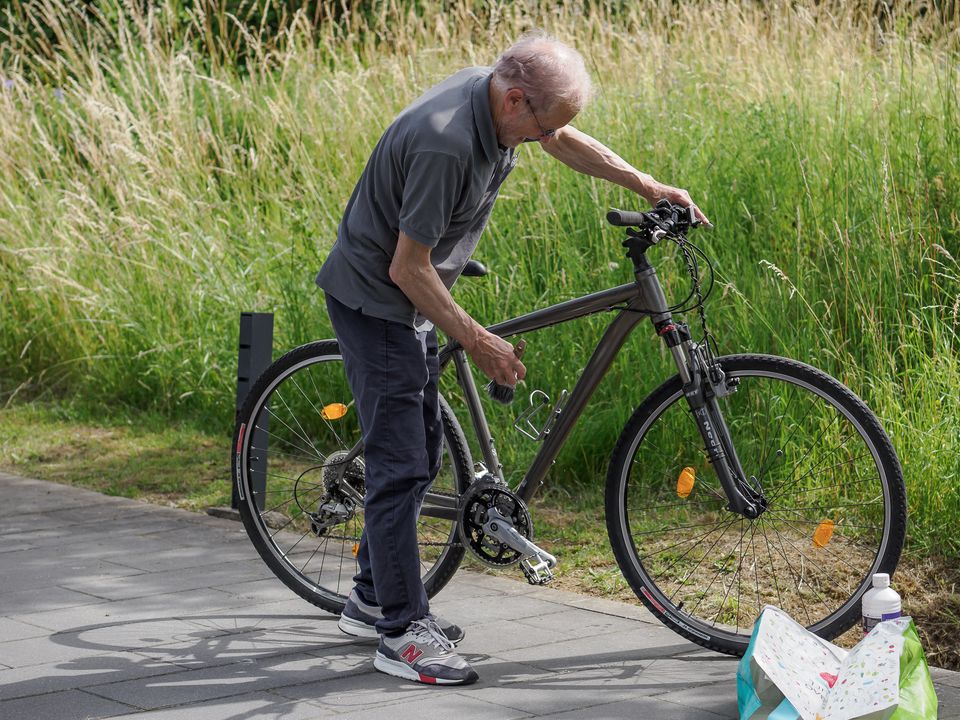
[[481, 496]]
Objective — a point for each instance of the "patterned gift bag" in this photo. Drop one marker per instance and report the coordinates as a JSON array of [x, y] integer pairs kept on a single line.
[[789, 673]]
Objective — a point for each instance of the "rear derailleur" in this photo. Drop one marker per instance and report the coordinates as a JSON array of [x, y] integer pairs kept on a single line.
[[343, 486]]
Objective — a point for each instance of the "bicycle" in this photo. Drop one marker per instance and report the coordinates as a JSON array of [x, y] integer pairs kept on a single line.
[[739, 470]]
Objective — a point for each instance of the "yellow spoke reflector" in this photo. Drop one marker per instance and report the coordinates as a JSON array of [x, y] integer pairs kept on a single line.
[[333, 411], [823, 533], [685, 482], [356, 549]]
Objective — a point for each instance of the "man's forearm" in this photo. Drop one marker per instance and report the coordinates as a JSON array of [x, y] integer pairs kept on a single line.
[[589, 156], [423, 288], [413, 273]]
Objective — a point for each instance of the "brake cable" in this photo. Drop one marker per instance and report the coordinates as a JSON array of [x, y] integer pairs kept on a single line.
[[709, 340]]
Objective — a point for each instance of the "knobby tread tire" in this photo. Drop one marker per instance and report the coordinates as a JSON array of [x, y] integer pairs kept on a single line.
[[614, 507], [459, 453]]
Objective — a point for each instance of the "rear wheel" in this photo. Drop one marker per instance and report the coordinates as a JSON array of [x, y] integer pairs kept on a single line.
[[300, 479], [836, 505]]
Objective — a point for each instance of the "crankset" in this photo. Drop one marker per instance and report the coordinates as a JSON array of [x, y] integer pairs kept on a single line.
[[496, 526]]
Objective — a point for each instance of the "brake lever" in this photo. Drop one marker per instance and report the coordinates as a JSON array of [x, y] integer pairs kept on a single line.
[[696, 222]]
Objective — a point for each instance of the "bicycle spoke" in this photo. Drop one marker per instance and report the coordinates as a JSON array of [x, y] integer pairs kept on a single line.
[[280, 490], [834, 507], [343, 445], [817, 440], [797, 576], [817, 522], [306, 440], [306, 453], [323, 559], [271, 452], [717, 575], [312, 555], [781, 489], [682, 542], [796, 426], [738, 575], [729, 522], [715, 542], [812, 564], [767, 456], [287, 552], [674, 529], [684, 504], [773, 572], [850, 543], [340, 573], [304, 434], [293, 479], [756, 565]]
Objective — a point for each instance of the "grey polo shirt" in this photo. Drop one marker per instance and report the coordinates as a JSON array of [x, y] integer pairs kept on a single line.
[[434, 175]]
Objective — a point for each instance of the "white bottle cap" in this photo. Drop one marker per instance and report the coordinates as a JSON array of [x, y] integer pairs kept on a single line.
[[881, 580]]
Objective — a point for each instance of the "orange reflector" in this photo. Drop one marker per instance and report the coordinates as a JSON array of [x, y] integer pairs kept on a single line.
[[685, 482], [356, 549], [823, 533], [333, 411]]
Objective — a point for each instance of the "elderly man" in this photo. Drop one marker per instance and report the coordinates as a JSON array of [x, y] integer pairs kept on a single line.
[[409, 228]]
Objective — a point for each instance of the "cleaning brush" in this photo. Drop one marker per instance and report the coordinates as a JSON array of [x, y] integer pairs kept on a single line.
[[504, 393]]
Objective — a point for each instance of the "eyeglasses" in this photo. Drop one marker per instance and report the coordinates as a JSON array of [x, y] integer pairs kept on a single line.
[[543, 133]]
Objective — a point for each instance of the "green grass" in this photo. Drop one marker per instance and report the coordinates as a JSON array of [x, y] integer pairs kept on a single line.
[[143, 456], [160, 195]]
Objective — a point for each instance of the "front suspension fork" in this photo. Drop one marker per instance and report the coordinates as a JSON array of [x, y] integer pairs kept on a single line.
[[701, 392]]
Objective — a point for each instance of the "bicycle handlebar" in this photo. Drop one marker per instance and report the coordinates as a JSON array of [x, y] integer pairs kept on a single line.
[[624, 218], [665, 217]]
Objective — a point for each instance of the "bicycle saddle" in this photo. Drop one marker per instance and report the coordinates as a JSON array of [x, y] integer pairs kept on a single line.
[[474, 268]]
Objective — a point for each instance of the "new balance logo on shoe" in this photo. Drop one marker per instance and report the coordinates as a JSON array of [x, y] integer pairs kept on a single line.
[[411, 653]]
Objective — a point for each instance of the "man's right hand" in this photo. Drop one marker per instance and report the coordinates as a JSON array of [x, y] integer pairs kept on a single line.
[[494, 356]]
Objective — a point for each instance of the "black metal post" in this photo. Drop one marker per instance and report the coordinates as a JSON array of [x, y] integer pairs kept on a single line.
[[254, 356]]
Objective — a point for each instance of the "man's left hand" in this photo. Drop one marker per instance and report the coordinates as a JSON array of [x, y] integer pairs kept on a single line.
[[677, 197]]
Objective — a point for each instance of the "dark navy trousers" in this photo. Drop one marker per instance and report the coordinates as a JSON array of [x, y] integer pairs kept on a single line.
[[392, 371]]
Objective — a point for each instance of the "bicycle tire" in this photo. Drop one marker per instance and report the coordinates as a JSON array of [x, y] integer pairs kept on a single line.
[[651, 577], [256, 523]]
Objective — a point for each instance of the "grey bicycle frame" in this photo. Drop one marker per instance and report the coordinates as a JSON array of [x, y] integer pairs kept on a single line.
[[640, 299]]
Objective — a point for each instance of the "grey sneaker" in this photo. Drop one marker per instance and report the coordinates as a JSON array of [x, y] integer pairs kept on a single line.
[[358, 619], [423, 654]]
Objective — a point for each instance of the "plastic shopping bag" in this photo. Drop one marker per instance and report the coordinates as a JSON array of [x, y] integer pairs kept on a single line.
[[789, 673]]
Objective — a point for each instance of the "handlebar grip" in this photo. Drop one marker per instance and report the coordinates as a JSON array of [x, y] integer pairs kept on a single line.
[[624, 218]]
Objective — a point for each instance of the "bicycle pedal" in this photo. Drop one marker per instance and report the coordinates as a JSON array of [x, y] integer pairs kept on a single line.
[[539, 572]]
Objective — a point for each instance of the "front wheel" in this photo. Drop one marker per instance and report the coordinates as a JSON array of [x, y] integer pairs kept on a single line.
[[835, 505]]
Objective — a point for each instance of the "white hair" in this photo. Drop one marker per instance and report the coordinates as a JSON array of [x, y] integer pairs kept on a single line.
[[548, 72]]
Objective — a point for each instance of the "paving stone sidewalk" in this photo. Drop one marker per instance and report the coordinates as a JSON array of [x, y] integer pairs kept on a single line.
[[115, 608]]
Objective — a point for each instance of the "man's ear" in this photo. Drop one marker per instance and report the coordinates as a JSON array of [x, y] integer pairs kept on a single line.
[[513, 98]]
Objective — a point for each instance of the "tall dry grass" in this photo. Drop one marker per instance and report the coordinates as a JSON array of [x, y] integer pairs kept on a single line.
[[150, 190]]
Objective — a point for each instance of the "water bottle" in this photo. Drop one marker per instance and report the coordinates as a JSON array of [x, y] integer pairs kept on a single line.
[[881, 602]]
